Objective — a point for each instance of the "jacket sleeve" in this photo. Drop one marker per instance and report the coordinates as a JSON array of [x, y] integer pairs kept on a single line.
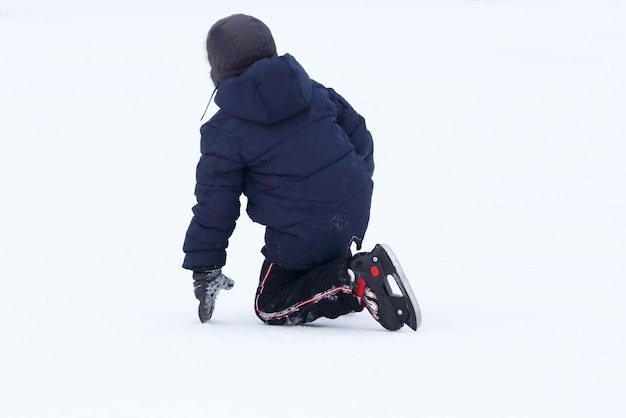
[[354, 125], [219, 183]]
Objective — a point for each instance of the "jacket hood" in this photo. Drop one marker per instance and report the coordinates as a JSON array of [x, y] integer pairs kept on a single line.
[[270, 91]]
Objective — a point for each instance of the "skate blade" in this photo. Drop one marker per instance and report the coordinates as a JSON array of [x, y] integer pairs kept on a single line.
[[415, 317]]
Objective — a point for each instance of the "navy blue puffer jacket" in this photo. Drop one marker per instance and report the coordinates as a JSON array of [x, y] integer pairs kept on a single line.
[[300, 154]]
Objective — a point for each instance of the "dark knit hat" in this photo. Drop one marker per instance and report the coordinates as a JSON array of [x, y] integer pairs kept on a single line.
[[235, 42]]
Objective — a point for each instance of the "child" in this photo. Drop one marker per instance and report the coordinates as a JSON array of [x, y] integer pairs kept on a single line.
[[304, 159]]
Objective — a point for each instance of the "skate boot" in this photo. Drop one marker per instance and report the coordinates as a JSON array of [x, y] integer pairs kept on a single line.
[[383, 289]]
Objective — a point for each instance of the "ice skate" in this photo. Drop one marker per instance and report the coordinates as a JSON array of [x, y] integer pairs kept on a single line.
[[383, 289]]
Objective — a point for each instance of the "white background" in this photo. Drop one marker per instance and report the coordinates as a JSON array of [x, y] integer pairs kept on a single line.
[[500, 184]]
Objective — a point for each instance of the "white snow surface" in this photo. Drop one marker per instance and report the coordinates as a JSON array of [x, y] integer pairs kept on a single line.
[[500, 184]]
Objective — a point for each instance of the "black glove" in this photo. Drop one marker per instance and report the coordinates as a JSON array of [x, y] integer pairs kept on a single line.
[[206, 286]]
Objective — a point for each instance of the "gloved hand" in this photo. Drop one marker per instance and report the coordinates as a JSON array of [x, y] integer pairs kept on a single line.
[[206, 286]]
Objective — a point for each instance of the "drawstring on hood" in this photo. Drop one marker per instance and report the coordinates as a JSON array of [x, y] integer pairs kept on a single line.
[[207, 105]]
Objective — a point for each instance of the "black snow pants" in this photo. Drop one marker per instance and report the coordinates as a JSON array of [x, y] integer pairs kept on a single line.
[[294, 297]]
